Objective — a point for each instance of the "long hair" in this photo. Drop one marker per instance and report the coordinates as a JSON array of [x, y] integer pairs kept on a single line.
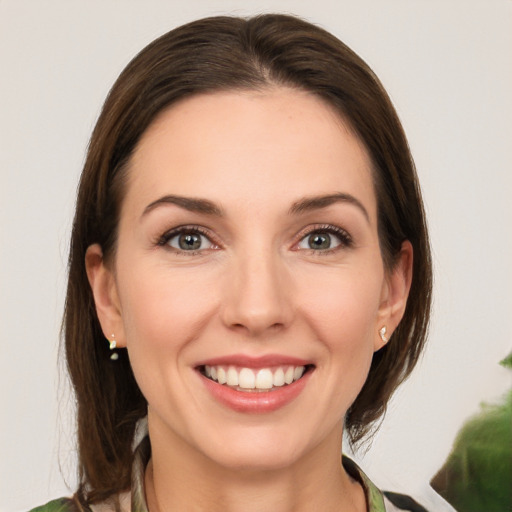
[[219, 54]]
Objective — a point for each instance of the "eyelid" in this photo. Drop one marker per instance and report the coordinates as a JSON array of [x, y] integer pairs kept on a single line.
[[346, 240], [163, 239], [342, 234]]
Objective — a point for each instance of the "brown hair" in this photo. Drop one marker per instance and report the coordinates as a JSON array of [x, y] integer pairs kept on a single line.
[[226, 53]]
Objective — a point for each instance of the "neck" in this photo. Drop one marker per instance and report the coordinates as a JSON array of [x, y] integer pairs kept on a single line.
[[184, 481]]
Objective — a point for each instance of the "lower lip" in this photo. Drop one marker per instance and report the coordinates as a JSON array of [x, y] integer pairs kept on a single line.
[[256, 402]]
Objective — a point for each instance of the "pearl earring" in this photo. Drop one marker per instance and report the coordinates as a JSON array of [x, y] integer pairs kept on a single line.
[[112, 345], [382, 333]]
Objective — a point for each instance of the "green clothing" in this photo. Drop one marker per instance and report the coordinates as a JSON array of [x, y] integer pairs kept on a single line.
[[60, 505]]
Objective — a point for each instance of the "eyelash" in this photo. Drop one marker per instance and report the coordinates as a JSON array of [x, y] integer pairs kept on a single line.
[[342, 235], [346, 241], [189, 229]]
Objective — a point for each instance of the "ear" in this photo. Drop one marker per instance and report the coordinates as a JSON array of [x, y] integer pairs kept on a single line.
[[395, 292], [104, 289]]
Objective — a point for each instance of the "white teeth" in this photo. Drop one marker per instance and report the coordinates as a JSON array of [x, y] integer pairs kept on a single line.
[[264, 379], [278, 379], [221, 376], [247, 378], [297, 373], [232, 377]]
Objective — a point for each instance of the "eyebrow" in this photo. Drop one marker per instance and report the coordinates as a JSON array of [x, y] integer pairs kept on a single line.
[[317, 202], [191, 204], [305, 204]]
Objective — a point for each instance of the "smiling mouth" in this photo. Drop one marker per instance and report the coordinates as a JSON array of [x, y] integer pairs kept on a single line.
[[255, 380]]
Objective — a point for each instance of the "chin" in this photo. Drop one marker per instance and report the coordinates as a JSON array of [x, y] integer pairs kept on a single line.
[[257, 451], [255, 461]]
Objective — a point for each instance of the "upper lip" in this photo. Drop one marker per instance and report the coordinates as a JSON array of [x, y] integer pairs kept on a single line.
[[247, 361]]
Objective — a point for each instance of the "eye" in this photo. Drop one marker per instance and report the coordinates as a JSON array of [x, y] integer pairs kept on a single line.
[[187, 239], [325, 239]]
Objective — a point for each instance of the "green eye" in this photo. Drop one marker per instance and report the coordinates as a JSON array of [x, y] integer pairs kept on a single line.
[[189, 241], [319, 241], [325, 239]]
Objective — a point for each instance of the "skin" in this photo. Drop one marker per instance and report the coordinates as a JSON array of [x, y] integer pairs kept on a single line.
[[254, 287]]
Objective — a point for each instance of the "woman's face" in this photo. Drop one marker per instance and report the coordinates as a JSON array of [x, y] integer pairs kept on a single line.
[[247, 256]]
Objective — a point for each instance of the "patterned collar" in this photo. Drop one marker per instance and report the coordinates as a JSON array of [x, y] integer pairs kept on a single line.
[[374, 498]]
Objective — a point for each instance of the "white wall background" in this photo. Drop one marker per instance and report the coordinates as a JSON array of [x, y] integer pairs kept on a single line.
[[447, 67]]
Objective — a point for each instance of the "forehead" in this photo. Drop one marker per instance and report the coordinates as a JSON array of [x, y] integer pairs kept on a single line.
[[256, 146]]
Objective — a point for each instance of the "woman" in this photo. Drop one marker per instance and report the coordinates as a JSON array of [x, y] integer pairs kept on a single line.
[[249, 275]]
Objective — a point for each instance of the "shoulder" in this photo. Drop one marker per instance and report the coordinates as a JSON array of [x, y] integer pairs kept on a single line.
[[59, 505], [121, 502], [401, 502], [383, 501]]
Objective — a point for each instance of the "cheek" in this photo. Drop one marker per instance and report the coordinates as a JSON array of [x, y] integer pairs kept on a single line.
[[163, 314], [342, 303], [341, 309], [163, 309]]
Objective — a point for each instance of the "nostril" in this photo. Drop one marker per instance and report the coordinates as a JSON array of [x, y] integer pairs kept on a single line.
[[257, 301]]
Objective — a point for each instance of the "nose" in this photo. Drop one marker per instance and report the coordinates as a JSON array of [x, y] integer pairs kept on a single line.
[[258, 296]]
